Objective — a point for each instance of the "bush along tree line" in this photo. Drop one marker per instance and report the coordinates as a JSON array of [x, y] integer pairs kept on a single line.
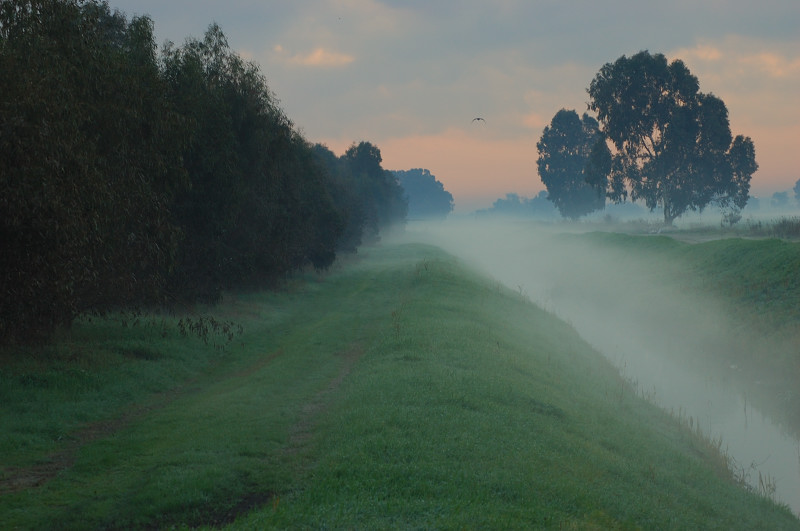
[[657, 139], [131, 178]]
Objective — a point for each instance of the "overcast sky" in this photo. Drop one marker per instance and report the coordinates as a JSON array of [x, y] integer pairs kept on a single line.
[[409, 76]]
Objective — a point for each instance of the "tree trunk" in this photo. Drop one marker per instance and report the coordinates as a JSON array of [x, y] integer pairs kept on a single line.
[[669, 215]]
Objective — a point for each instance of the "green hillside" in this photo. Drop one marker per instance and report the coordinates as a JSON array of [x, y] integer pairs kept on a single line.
[[401, 391], [754, 274]]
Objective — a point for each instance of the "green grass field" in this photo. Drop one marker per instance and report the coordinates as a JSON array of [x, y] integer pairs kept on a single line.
[[400, 391]]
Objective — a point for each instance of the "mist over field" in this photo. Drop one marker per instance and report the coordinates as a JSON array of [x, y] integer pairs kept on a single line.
[[679, 347], [615, 301]]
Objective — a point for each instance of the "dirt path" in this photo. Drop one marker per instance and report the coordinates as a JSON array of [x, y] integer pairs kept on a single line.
[[15, 479], [299, 436], [21, 478], [300, 433]]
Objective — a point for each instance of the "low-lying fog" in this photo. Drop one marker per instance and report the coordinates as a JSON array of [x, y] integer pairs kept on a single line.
[[648, 327]]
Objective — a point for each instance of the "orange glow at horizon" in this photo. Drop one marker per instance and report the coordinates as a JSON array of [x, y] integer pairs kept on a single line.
[[478, 170], [474, 169]]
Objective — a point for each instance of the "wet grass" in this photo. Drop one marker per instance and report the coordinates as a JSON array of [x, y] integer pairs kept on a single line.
[[756, 283], [402, 391], [760, 274]]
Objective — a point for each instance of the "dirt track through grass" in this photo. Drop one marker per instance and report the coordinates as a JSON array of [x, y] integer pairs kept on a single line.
[[301, 431], [22, 478]]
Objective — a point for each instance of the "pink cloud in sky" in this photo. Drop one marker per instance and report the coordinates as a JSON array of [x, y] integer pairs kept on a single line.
[[754, 79], [319, 57]]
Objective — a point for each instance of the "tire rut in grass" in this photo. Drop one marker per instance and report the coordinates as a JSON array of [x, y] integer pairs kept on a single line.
[[15, 479], [299, 436], [300, 433]]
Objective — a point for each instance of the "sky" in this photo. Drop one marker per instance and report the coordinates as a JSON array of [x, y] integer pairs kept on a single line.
[[409, 76]]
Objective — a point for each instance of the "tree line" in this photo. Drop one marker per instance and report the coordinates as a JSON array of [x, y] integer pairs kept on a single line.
[[426, 195], [131, 177], [656, 138]]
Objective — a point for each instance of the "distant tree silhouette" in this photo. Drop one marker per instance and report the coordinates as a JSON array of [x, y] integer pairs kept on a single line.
[[426, 196], [382, 201], [779, 200], [796, 190], [564, 152], [514, 205], [672, 144]]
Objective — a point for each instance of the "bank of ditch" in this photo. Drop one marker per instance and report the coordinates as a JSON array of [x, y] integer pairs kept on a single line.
[[756, 283], [401, 390]]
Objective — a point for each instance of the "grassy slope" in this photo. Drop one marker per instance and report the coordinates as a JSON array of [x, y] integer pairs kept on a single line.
[[760, 275], [403, 391], [759, 282]]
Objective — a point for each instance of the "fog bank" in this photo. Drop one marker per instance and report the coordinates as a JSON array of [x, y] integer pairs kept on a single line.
[[662, 335]]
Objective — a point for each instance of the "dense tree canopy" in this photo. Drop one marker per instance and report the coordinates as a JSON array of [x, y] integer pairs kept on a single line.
[[90, 157], [426, 196], [564, 151], [258, 204], [672, 144], [382, 196], [131, 179]]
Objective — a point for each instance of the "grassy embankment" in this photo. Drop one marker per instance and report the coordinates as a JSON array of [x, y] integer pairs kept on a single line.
[[758, 283], [401, 391]]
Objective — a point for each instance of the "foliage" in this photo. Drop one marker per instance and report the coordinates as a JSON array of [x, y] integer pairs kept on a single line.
[[672, 144], [344, 190], [779, 200], [784, 227], [426, 196], [796, 191], [130, 179], [258, 205], [381, 196], [514, 205], [90, 158], [564, 150], [511, 204], [370, 197]]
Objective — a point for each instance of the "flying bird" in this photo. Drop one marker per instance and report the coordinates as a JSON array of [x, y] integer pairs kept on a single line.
[[479, 119]]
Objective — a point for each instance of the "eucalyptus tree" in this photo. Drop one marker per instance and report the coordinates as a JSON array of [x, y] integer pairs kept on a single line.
[[672, 144], [90, 156], [343, 189], [427, 197], [380, 193], [258, 206], [565, 149]]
